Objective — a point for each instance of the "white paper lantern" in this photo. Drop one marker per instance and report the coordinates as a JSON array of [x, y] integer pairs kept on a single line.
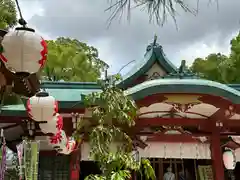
[[59, 140], [23, 51], [42, 107], [53, 125], [236, 139], [229, 160]]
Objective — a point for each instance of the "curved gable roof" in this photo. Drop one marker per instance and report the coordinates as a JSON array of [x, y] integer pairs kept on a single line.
[[153, 55], [198, 86]]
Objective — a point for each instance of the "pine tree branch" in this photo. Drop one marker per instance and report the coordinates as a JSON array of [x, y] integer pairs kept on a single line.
[[157, 10]]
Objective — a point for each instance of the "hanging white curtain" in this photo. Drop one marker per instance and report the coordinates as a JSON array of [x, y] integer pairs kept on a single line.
[[176, 150], [165, 150]]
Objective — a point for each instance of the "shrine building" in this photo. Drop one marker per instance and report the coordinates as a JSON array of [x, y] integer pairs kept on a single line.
[[184, 122]]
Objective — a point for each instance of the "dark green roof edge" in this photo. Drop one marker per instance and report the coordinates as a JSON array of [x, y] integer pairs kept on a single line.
[[69, 85], [197, 86], [234, 86], [92, 85], [154, 55]]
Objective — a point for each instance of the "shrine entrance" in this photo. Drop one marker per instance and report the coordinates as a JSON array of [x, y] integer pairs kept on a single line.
[[193, 168], [177, 165]]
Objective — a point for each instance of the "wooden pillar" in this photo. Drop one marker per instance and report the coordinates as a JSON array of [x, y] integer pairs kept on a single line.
[[216, 155], [75, 165]]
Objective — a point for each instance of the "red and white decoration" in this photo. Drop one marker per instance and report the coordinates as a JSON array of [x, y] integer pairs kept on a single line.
[[59, 140], [229, 159], [52, 126], [23, 51], [42, 107], [71, 145]]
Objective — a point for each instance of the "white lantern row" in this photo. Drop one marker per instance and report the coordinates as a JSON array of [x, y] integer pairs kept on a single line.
[[43, 108], [24, 51], [52, 126]]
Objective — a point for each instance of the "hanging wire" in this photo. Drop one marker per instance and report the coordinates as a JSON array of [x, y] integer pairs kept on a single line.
[[21, 21], [19, 9]]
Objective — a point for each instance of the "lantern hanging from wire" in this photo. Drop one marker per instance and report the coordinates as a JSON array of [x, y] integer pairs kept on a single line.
[[23, 51], [53, 125], [229, 159], [42, 107]]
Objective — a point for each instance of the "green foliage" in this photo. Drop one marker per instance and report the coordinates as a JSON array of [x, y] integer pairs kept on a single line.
[[113, 114], [8, 15], [72, 60], [219, 67], [211, 67]]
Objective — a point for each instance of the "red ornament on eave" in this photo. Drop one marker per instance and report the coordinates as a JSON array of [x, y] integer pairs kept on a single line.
[[24, 51]]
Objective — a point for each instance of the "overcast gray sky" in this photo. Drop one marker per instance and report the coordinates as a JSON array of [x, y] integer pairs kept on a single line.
[[197, 36]]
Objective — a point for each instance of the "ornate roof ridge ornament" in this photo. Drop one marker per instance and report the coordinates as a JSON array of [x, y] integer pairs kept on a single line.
[[182, 73], [154, 44]]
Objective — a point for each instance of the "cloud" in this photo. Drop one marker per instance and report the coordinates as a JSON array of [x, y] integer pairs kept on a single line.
[[209, 31]]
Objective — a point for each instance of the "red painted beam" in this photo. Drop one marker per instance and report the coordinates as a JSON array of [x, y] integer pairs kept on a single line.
[[73, 110], [232, 123], [173, 138], [12, 119], [157, 121]]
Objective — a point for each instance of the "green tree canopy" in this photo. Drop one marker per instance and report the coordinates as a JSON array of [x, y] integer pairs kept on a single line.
[[8, 15], [219, 67], [72, 60]]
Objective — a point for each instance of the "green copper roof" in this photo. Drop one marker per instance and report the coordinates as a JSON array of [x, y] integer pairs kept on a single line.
[[198, 86], [70, 91], [70, 95], [19, 110], [153, 55]]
